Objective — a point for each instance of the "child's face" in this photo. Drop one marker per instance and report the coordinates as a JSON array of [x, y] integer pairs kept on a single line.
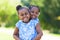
[[24, 15], [34, 12]]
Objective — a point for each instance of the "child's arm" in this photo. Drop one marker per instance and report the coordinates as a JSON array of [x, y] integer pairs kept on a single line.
[[15, 34], [39, 31]]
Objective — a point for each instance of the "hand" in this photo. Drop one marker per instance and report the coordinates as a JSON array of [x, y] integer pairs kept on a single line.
[[36, 38]]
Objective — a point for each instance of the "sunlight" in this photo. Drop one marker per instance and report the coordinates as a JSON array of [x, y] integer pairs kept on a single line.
[[14, 2], [58, 18]]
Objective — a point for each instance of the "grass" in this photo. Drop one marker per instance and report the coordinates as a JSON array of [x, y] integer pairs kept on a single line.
[[4, 36], [50, 36], [7, 34]]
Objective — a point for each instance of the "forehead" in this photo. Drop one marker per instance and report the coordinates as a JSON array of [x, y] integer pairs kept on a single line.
[[34, 9], [23, 10]]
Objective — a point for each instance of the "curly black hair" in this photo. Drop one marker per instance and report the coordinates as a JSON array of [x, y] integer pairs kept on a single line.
[[31, 6]]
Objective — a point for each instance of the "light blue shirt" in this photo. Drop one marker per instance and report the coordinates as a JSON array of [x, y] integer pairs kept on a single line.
[[27, 31], [36, 19]]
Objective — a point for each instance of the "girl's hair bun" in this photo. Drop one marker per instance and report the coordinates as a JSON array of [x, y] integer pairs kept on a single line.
[[18, 7]]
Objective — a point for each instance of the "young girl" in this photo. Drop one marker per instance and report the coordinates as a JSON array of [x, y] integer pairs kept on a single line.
[[34, 12], [34, 15], [25, 27]]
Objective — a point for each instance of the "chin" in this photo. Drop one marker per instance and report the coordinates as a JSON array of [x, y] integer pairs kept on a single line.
[[33, 17], [25, 21]]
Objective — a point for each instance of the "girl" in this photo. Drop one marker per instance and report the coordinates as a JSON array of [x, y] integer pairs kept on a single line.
[[34, 15], [25, 27]]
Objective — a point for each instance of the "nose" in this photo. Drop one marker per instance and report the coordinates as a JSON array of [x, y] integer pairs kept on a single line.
[[33, 13], [25, 15]]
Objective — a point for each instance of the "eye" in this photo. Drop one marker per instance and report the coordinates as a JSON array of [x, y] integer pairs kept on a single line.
[[22, 15], [36, 12], [32, 11], [26, 13]]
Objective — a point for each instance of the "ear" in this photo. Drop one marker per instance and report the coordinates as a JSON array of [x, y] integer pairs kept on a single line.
[[39, 14], [18, 16]]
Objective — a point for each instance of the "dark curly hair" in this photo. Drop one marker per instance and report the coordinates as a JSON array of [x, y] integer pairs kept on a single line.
[[19, 7], [31, 6]]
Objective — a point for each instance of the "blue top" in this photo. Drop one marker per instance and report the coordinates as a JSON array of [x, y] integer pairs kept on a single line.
[[27, 31], [36, 19]]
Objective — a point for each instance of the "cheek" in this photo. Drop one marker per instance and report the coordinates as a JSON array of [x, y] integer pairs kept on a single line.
[[20, 17], [36, 15], [32, 13], [28, 16]]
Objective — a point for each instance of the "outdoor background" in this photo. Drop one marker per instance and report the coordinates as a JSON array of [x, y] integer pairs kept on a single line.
[[49, 17]]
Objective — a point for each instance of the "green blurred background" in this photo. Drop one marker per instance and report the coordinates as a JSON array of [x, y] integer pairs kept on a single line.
[[49, 17]]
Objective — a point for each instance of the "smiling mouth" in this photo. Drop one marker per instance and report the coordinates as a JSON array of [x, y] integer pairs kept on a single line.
[[25, 19]]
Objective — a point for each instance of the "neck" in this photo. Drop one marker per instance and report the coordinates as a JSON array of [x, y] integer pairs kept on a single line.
[[26, 22]]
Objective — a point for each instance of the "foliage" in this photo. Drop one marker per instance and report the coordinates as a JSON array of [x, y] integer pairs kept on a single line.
[[50, 11], [8, 12], [12, 20]]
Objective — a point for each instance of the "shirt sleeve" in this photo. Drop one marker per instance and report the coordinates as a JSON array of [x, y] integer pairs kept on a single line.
[[36, 21], [17, 24]]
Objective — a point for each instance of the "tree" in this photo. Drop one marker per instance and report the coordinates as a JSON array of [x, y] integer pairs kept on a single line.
[[8, 13], [50, 13]]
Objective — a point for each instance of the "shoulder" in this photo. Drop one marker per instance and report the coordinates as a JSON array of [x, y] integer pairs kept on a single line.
[[18, 23], [37, 19]]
